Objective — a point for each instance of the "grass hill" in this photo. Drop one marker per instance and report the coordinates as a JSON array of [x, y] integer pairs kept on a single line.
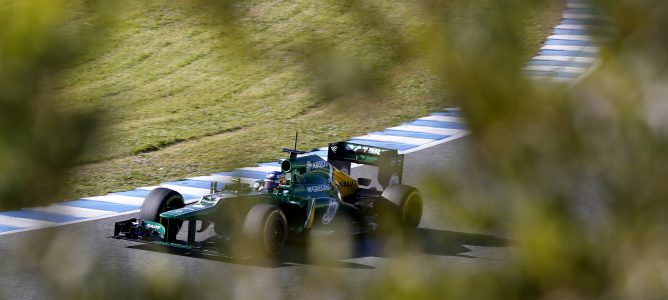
[[184, 89]]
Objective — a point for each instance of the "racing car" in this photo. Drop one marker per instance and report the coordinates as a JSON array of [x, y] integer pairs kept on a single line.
[[308, 196]]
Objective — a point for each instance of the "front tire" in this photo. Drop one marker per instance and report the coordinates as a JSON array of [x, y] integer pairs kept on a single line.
[[409, 202], [266, 229], [158, 201]]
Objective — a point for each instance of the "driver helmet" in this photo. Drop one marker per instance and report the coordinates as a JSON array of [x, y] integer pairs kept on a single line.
[[273, 179]]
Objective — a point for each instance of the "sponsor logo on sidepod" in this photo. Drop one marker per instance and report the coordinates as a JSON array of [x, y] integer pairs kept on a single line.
[[317, 188], [332, 207], [315, 165]]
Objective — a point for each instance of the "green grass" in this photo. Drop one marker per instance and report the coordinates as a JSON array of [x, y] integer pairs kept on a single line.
[[180, 94]]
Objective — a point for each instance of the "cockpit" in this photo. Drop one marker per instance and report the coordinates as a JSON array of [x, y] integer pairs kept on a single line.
[[272, 180]]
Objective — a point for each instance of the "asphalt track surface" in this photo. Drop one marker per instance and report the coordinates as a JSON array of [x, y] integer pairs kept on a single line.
[[31, 270]]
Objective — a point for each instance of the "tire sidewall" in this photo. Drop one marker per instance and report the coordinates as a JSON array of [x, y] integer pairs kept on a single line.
[[408, 204], [262, 221], [274, 222], [411, 209], [158, 201]]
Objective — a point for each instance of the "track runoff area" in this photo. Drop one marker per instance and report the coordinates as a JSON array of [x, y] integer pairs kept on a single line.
[[566, 56], [437, 128]]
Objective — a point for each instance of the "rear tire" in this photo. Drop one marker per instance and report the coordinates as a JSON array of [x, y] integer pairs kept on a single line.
[[158, 201], [409, 202], [266, 230]]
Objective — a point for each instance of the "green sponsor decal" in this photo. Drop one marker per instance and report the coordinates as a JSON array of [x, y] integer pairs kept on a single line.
[[154, 226]]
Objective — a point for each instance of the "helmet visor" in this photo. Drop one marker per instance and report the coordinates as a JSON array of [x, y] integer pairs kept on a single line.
[[269, 184]]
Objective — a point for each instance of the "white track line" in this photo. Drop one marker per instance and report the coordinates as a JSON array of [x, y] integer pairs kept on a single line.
[[187, 189], [570, 48], [265, 169], [72, 211], [307, 154], [565, 58], [443, 119], [586, 17], [119, 199], [589, 28], [570, 37], [22, 222], [66, 223], [394, 139], [426, 129], [461, 134], [203, 178], [555, 69]]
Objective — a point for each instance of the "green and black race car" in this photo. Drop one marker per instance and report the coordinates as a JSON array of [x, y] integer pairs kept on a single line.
[[315, 197]]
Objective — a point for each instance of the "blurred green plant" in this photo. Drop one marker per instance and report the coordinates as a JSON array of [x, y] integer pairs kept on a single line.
[[572, 175], [37, 142]]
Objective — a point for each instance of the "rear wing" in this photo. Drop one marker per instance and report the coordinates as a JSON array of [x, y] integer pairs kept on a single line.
[[389, 162]]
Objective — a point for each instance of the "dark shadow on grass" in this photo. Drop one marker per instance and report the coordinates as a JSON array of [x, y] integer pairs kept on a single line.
[[422, 241]]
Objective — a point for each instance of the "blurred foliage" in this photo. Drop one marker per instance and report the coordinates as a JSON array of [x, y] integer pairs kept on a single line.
[[572, 175], [37, 142]]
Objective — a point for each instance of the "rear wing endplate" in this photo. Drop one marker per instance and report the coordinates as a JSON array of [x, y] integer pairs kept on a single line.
[[389, 162]]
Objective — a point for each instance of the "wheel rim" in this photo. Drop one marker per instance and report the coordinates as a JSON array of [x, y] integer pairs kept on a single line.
[[277, 234], [171, 204], [274, 235]]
